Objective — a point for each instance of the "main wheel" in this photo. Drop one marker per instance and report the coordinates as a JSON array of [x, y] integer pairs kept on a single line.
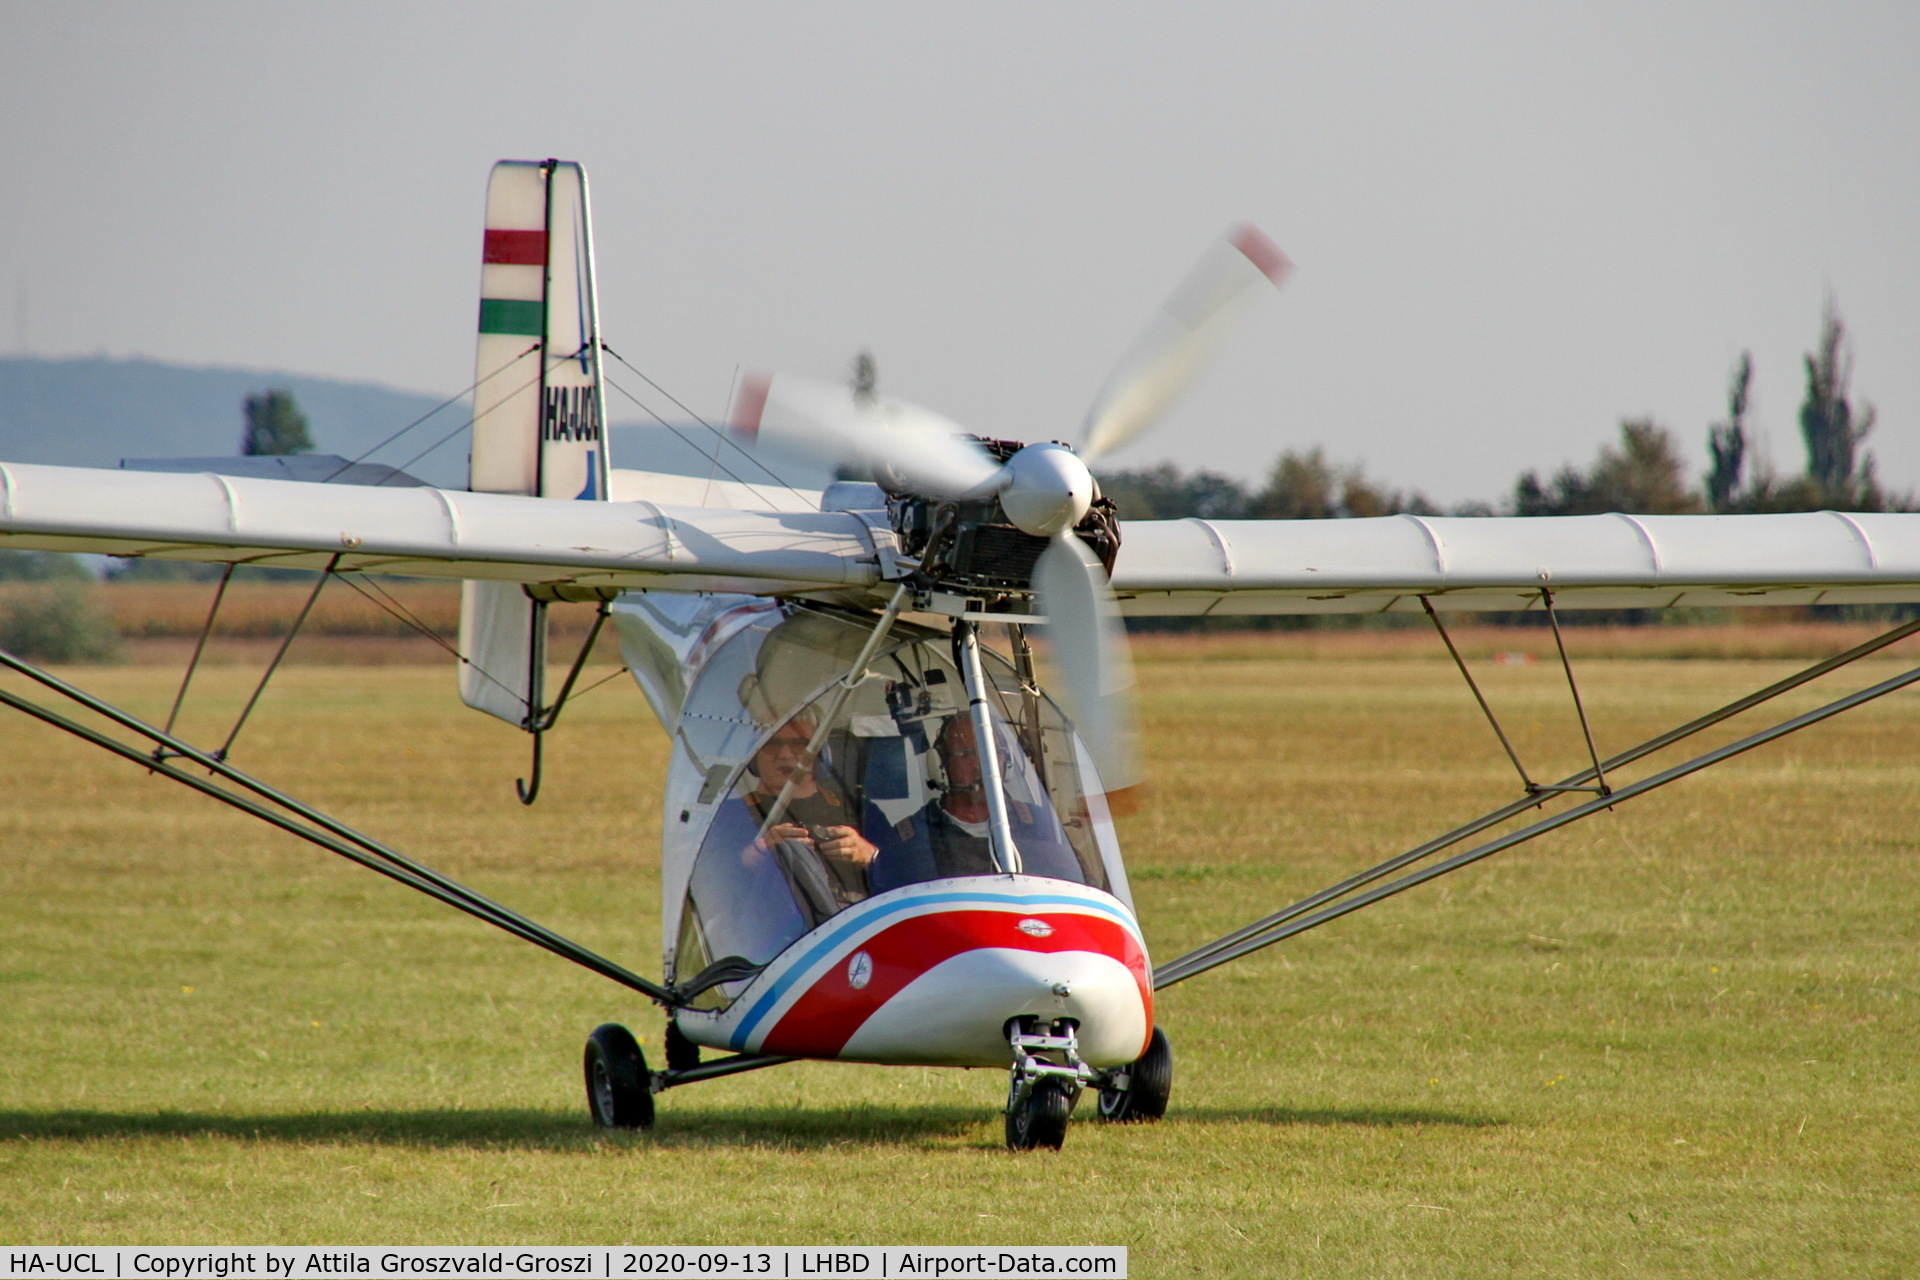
[[619, 1092], [1149, 1084], [1040, 1121]]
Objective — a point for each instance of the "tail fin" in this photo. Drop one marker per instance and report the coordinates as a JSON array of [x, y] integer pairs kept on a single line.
[[539, 408]]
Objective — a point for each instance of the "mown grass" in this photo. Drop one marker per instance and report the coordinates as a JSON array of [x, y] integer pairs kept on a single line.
[[1678, 1040]]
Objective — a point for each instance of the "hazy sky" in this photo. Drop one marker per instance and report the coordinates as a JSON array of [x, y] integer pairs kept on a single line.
[[1513, 222]]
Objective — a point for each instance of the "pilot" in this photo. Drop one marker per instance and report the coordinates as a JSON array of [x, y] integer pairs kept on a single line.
[[815, 818], [949, 836]]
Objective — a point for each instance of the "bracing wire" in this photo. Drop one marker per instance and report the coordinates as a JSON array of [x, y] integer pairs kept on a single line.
[[465, 425], [581, 693], [721, 437], [406, 617], [450, 400], [749, 485]]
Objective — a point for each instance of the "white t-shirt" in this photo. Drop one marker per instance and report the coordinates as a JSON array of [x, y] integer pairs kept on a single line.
[[971, 828]]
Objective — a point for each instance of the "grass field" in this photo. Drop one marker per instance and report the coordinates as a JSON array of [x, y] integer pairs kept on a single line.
[[1678, 1040]]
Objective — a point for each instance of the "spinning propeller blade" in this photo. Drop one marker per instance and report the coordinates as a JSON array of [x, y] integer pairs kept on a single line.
[[1188, 329], [922, 449], [1090, 652], [1044, 489]]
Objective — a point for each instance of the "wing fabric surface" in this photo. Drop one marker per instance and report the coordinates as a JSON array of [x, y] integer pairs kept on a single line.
[[1176, 567], [1226, 567], [431, 532]]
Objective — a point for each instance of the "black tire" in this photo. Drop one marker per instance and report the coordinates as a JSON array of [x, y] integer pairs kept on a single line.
[[1042, 1120], [1149, 1085], [619, 1092]]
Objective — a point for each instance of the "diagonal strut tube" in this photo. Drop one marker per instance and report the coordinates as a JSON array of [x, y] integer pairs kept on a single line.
[[966, 641], [329, 833], [842, 690]]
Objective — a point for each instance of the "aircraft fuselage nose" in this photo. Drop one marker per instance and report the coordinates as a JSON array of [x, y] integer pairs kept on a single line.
[[936, 977]]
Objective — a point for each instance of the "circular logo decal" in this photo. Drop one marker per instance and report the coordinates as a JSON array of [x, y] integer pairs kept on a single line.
[[859, 970], [1035, 928]]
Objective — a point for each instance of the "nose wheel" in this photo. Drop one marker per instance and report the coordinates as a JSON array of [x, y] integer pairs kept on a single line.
[[1041, 1119], [1048, 1076]]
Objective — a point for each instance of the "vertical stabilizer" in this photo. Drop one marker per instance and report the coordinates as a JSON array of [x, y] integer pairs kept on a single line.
[[538, 406]]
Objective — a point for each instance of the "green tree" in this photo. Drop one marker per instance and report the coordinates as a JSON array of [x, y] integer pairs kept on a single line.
[[1165, 492], [1306, 486], [1645, 475], [1727, 441], [275, 425], [61, 621], [1301, 486], [1831, 427], [42, 566]]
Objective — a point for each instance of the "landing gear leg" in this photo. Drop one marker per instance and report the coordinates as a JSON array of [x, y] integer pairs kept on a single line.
[[1048, 1076], [682, 1053], [1139, 1090]]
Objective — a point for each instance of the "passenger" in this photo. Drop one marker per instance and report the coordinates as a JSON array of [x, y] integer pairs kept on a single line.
[[816, 819], [949, 836]]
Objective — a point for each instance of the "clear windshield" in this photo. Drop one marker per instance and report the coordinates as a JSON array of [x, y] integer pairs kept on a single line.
[[894, 796]]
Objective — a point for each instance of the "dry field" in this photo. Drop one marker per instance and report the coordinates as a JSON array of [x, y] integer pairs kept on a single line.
[[1677, 1040]]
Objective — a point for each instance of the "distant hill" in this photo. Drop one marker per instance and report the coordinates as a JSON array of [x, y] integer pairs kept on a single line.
[[92, 411]]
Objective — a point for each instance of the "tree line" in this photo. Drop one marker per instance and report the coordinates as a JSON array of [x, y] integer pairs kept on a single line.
[[1643, 473]]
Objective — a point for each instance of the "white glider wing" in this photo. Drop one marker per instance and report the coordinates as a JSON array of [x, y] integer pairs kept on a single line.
[[432, 532], [1226, 567], [1166, 567]]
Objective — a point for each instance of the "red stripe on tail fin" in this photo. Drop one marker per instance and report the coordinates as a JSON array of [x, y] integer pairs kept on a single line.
[[517, 248]]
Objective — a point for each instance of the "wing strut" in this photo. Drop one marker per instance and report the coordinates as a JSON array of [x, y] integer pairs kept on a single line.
[[1526, 781], [306, 822], [200, 645], [1580, 708], [313, 597], [1311, 912]]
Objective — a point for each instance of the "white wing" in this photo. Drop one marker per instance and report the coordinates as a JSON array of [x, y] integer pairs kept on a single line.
[[1165, 567], [432, 532], [1192, 567]]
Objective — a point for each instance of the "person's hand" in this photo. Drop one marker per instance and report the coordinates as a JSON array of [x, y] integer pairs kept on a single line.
[[788, 831], [846, 844]]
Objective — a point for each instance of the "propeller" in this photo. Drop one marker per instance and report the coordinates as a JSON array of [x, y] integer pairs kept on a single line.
[[1184, 334], [1089, 642], [1045, 489], [1089, 648], [923, 451]]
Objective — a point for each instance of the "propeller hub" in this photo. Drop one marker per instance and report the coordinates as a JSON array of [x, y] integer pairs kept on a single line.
[[1046, 489]]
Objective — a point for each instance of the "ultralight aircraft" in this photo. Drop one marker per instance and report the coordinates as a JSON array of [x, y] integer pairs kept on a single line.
[[883, 840]]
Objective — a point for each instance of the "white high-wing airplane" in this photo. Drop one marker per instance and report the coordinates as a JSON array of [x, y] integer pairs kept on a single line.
[[883, 841]]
